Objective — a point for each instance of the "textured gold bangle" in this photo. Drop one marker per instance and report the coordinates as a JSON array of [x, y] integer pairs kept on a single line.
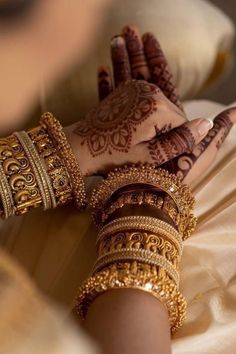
[[133, 275], [139, 240], [40, 172], [148, 175], [19, 174], [142, 223], [56, 132], [164, 203], [144, 256], [56, 169], [6, 195]]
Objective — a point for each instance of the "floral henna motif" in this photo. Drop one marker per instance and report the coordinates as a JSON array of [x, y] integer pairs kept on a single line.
[[160, 72], [183, 164], [109, 126], [168, 146], [136, 54]]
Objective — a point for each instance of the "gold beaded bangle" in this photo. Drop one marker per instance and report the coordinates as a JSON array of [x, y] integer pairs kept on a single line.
[[56, 132], [133, 275], [142, 223], [6, 196], [144, 256], [142, 198], [148, 175], [39, 170], [56, 170]]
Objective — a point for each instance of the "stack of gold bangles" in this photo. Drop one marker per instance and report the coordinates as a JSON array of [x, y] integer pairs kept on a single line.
[[135, 250], [38, 168]]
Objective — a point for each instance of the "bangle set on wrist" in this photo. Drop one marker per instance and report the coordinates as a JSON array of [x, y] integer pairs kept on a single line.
[[38, 169], [138, 251]]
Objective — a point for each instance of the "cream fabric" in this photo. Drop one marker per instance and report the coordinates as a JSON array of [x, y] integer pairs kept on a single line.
[[57, 248], [193, 33], [28, 324]]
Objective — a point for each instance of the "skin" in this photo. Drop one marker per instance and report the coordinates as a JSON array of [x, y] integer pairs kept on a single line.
[[141, 323]]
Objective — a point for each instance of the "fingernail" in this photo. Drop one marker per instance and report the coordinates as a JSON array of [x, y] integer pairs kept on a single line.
[[117, 41], [204, 126]]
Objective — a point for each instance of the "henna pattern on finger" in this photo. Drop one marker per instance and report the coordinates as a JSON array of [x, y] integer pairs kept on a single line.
[[120, 60], [138, 63], [184, 163], [160, 72], [111, 124], [168, 146], [104, 82]]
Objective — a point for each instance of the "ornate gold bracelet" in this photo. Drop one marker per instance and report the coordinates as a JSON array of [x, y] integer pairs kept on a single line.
[[56, 132], [20, 183], [133, 275], [148, 175], [54, 165], [142, 223], [144, 256]]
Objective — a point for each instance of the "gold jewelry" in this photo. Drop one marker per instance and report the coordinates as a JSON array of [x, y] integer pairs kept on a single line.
[[6, 196], [58, 136], [147, 174], [39, 170], [140, 255], [164, 203], [19, 175], [56, 170], [142, 223], [133, 275]]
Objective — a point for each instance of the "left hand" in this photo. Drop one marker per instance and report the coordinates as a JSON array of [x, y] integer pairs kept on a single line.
[[134, 57]]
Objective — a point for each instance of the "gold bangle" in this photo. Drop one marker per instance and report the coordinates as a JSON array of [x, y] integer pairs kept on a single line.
[[6, 196], [40, 172], [56, 170], [20, 176], [133, 275], [148, 175], [163, 203], [56, 132], [139, 240], [143, 256], [142, 223]]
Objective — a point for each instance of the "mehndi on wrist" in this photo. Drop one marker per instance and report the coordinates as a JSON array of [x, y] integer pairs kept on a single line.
[[137, 251], [37, 169]]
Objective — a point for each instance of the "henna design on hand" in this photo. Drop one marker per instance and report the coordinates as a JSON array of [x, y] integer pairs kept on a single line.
[[183, 164], [168, 146], [138, 63], [110, 126], [104, 82], [160, 72], [120, 60]]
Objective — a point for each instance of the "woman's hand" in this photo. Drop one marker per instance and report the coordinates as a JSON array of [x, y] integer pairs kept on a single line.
[[135, 123], [136, 57]]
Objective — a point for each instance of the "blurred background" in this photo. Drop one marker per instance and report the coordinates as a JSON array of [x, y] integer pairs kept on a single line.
[[225, 92]]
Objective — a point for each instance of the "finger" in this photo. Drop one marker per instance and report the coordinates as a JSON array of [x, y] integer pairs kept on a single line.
[[134, 45], [120, 60], [105, 86], [178, 141], [190, 166], [159, 70]]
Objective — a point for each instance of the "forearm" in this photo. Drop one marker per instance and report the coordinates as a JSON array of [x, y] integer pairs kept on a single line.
[[129, 321]]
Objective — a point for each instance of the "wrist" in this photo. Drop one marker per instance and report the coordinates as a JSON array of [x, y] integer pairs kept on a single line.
[[81, 154]]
